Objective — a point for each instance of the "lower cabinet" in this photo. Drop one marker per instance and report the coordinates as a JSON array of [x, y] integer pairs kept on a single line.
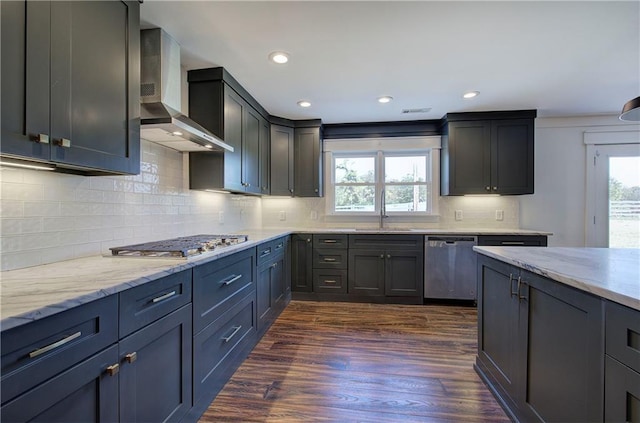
[[301, 263], [271, 288], [540, 345]]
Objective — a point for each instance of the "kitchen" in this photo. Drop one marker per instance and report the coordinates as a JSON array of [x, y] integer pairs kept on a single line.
[[52, 217]]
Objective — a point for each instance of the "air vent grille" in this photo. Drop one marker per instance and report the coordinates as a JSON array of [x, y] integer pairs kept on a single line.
[[147, 89], [422, 110]]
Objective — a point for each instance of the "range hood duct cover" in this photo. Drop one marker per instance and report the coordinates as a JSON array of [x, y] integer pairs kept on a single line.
[[631, 110], [160, 119]]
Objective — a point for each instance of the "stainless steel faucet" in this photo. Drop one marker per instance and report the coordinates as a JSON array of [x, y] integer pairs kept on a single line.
[[383, 209]]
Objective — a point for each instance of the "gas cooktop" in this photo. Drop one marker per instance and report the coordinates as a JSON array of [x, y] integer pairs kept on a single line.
[[182, 247]]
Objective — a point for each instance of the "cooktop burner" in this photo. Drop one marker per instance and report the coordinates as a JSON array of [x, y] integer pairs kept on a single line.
[[183, 247]]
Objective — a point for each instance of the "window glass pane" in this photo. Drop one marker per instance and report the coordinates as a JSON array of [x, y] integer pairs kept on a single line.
[[354, 169], [405, 198], [624, 202], [405, 169], [355, 198]]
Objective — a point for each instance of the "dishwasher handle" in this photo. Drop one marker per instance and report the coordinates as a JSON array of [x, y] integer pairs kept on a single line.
[[452, 240]]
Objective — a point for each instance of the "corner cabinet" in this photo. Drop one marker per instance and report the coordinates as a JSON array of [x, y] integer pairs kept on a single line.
[[62, 103], [220, 104], [540, 345], [488, 153]]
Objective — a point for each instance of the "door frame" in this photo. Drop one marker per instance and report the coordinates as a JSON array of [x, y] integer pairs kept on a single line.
[[599, 146]]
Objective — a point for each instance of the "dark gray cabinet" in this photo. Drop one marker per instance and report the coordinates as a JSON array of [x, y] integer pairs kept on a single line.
[[540, 345], [330, 264], [366, 272], [308, 160], [220, 104], [301, 263], [488, 153], [513, 240], [59, 104], [271, 287], [282, 171], [265, 157]]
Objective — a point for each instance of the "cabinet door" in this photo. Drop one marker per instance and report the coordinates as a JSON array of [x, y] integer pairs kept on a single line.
[[95, 84], [281, 160], [278, 289], [469, 149], [264, 302], [265, 156], [498, 324], [404, 273], [561, 350], [251, 150], [233, 126], [155, 371], [25, 29], [308, 162], [512, 156], [366, 272], [301, 263], [83, 393]]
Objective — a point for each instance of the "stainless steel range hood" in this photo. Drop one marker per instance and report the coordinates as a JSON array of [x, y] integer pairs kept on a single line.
[[160, 118]]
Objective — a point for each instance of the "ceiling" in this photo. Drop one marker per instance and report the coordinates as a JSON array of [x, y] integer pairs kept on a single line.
[[561, 58]]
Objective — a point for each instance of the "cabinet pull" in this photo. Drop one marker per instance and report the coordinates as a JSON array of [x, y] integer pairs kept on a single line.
[[495, 188], [381, 256], [55, 345], [487, 188], [279, 246], [63, 142], [265, 252], [329, 241], [235, 331], [113, 369], [308, 239], [511, 280], [315, 190], [521, 283], [274, 265], [42, 138], [231, 279], [512, 243], [163, 297], [329, 281], [329, 259], [131, 357], [388, 256]]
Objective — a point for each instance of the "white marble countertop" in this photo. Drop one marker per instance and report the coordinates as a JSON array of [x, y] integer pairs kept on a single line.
[[611, 273], [36, 292]]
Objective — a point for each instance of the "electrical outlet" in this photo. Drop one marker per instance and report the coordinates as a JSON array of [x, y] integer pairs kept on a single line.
[[282, 215], [314, 215], [458, 214], [499, 214], [221, 216]]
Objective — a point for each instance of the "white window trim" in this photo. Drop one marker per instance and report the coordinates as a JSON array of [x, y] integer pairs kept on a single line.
[[392, 146]]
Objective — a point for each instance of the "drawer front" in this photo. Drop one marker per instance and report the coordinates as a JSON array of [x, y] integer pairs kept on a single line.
[[330, 281], [386, 241], [330, 241], [214, 346], [621, 392], [147, 303], [219, 285], [513, 240], [330, 259], [623, 334], [37, 351], [280, 245], [267, 251]]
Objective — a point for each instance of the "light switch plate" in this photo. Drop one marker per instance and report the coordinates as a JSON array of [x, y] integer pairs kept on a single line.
[[499, 214], [221, 216], [458, 214], [282, 215]]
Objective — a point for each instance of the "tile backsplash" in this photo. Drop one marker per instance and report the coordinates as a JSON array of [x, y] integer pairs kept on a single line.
[[47, 217]]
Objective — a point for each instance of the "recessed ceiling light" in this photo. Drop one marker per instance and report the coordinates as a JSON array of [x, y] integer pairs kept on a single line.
[[470, 94], [304, 103], [279, 57], [385, 99]]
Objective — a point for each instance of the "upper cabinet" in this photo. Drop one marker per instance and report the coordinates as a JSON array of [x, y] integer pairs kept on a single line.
[[71, 85], [488, 153], [307, 148], [218, 102], [281, 160]]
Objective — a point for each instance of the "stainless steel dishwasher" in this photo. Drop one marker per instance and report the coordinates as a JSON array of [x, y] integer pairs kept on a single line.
[[450, 267]]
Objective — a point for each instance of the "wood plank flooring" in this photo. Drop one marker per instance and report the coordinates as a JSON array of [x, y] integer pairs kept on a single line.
[[345, 362]]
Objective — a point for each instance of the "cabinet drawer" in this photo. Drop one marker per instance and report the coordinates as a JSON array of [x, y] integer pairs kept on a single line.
[[330, 281], [266, 251], [623, 334], [147, 303], [621, 392], [330, 241], [280, 245], [214, 345], [330, 259], [386, 241], [513, 240], [218, 285], [37, 351]]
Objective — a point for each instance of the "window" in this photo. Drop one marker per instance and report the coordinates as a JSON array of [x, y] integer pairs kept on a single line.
[[362, 182]]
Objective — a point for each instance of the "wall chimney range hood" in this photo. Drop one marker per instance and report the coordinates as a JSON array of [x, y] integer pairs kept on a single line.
[[160, 118]]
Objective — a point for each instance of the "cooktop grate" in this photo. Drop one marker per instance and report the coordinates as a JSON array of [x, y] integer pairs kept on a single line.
[[186, 246]]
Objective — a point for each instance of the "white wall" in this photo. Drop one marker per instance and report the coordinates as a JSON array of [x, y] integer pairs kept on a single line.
[[558, 204]]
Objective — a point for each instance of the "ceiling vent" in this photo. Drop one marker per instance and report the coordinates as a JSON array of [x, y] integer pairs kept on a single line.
[[422, 110]]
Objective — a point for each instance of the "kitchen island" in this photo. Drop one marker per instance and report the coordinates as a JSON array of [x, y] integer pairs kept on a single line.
[[558, 332]]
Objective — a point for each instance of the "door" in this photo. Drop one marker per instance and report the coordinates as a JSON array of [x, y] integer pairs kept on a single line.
[[615, 192], [265, 156], [264, 287], [404, 273], [281, 160], [469, 157], [512, 156], [251, 150], [301, 263], [366, 272], [308, 162], [233, 127]]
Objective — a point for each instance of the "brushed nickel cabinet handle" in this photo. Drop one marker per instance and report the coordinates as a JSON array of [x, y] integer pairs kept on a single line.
[[329, 281], [63, 142], [329, 259], [315, 190], [113, 369], [381, 256], [487, 188], [265, 252], [388, 256], [330, 241], [512, 243], [42, 138], [279, 246], [163, 297], [511, 279], [274, 265], [55, 345], [495, 188], [291, 190], [236, 330], [131, 357], [231, 279], [308, 239]]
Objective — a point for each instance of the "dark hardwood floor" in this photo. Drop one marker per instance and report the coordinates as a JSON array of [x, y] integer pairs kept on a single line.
[[346, 362]]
